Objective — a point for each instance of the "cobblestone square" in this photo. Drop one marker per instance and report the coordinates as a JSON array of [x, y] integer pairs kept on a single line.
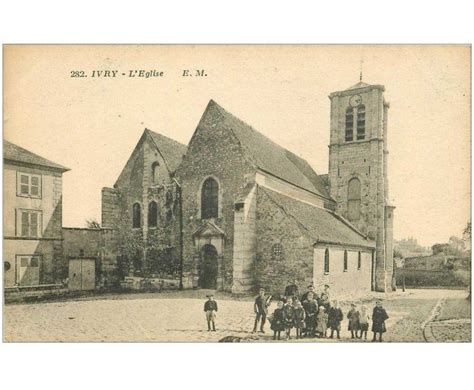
[[179, 317]]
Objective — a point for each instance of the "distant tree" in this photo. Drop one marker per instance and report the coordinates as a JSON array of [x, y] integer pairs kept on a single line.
[[397, 254], [456, 246], [467, 231], [92, 224], [440, 248]]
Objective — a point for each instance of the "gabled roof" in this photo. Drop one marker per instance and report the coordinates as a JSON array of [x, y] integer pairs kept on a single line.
[[322, 225], [171, 150], [266, 154], [16, 153]]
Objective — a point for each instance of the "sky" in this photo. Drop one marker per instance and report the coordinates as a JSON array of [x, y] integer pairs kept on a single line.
[[91, 125]]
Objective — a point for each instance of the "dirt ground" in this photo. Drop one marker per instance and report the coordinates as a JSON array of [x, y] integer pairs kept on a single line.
[[179, 316]]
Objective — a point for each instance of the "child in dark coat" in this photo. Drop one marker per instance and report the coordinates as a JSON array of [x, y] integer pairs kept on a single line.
[[288, 310], [298, 318], [379, 316], [278, 321], [335, 317], [210, 308], [353, 316], [311, 311]]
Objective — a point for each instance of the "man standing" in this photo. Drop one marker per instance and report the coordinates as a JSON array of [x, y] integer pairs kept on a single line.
[[261, 310], [210, 308], [305, 295]]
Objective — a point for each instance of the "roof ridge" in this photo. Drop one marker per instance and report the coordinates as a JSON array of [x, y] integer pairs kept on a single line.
[[283, 157]]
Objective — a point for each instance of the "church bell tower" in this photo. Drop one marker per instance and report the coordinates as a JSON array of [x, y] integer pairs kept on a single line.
[[358, 171]]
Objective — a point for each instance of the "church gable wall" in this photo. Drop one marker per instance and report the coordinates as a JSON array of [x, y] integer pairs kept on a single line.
[[284, 250], [213, 152]]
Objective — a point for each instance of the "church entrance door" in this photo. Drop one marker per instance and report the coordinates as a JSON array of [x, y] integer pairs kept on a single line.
[[208, 274]]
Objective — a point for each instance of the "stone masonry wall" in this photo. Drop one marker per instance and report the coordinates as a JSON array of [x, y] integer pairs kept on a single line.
[[276, 228]]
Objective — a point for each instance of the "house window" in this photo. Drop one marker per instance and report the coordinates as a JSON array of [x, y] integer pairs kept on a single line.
[[353, 199], [359, 261], [326, 261], [345, 261], [209, 199], [137, 216], [152, 214], [28, 270], [28, 185], [155, 174], [361, 122], [349, 124], [29, 223]]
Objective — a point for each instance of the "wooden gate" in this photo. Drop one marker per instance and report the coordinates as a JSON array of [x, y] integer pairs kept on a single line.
[[81, 274]]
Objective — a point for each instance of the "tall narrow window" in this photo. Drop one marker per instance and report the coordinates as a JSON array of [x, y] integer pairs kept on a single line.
[[326, 261], [359, 261], [137, 216], [361, 122], [155, 174], [349, 124], [209, 199], [152, 214], [353, 200], [345, 261]]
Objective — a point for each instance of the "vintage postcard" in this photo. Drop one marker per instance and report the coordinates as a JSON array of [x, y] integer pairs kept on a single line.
[[237, 193]]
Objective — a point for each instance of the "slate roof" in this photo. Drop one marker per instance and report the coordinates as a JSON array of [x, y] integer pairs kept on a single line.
[[16, 153], [322, 225], [266, 154], [172, 150]]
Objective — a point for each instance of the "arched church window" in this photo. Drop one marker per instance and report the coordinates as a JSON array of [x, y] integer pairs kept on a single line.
[[359, 261], [152, 214], [155, 174], [349, 124], [345, 261], [209, 199], [353, 199], [326, 261], [361, 122], [136, 216]]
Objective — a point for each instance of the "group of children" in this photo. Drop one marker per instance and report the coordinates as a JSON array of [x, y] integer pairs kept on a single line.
[[311, 315]]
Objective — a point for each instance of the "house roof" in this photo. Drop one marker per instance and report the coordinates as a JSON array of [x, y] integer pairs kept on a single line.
[[16, 153], [266, 154], [171, 150], [322, 225]]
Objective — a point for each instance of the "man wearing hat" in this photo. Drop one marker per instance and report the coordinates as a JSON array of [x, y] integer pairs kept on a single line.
[[261, 310], [210, 308]]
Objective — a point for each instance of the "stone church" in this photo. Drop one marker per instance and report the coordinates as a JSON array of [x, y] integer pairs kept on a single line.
[[235, 211]]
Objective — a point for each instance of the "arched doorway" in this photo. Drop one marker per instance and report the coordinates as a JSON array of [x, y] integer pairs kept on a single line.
[[208, 271]]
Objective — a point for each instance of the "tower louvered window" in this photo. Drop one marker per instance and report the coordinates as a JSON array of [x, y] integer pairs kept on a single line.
[[353, 199], [349, 124], [361, 122]]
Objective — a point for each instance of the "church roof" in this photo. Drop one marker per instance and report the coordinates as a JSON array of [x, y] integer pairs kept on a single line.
[[322, 225], [360, 84], [266, 154], [16, 153], [171, 150]]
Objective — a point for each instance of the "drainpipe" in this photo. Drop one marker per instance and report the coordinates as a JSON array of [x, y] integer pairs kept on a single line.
[[179, 193]]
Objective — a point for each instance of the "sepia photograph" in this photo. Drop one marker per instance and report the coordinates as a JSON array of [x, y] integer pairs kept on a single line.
[[237, 193]]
